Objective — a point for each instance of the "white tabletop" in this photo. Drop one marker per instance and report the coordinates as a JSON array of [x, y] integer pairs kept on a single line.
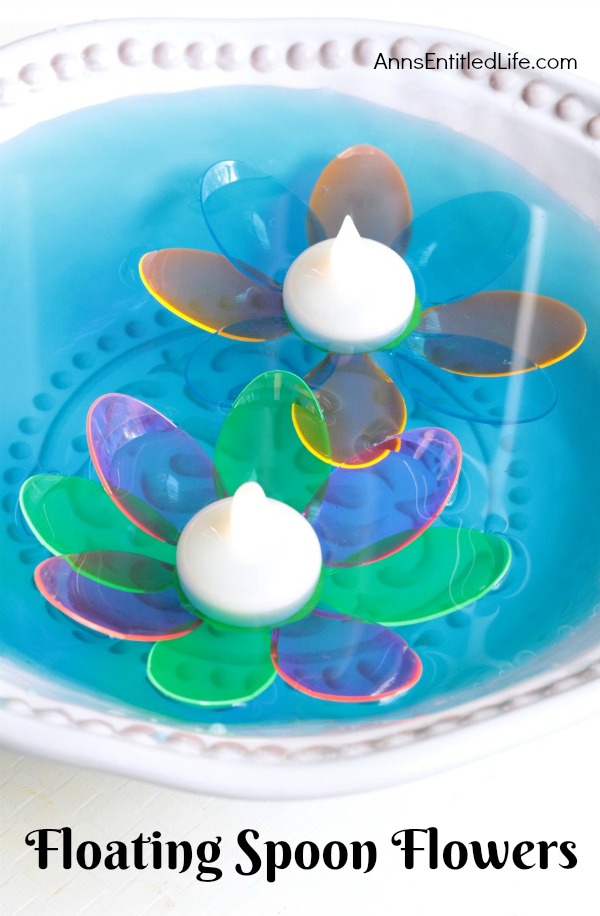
[[544, 790], [541, 791]]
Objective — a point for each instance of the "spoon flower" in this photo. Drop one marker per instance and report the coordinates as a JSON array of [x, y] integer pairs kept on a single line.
[[124, 564], [447, 324]]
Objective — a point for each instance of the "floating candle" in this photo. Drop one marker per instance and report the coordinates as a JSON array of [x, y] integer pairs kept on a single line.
[[349, 294], [248, 560]]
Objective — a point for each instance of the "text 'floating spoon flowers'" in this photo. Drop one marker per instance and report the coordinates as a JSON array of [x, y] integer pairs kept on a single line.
[[365, 313], [242, 569]]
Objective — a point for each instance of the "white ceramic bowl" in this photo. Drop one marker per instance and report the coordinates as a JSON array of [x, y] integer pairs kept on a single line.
[[59, 72]]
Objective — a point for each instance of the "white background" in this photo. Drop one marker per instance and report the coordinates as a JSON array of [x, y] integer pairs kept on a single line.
[[545, 790]]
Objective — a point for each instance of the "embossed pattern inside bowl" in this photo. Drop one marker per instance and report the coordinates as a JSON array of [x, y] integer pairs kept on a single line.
[[171, 98]]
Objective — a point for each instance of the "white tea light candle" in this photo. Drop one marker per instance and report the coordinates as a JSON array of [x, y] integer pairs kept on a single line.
[[248, 560], [349, 294]]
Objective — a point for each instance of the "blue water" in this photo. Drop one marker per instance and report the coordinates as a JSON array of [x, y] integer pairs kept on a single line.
[[85, 195]]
